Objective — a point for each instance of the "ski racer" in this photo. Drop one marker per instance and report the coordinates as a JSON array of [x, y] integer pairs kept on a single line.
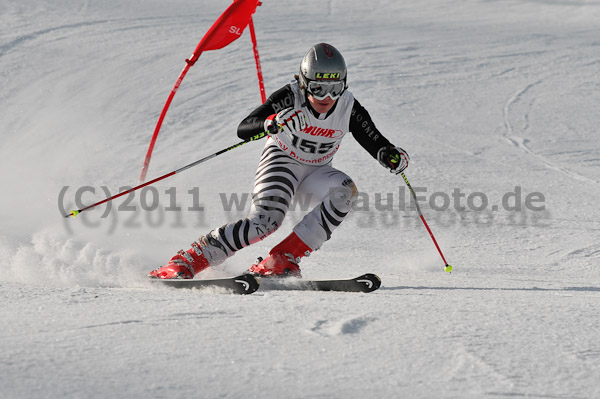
[[306, 121]]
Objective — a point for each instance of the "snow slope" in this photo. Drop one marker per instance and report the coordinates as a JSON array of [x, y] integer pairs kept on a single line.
[[493, 100]]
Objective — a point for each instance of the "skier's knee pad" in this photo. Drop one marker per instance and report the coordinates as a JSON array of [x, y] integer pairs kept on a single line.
[[343, 196]]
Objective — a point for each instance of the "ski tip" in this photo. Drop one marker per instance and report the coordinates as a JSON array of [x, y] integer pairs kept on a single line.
[[248, 283], [448, 268], [370, 282]]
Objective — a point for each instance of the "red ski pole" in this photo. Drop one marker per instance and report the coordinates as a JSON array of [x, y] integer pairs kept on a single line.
[[253, 138], [447, 267]]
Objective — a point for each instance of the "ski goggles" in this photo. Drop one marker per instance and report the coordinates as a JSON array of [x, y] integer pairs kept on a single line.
[[319, 89]]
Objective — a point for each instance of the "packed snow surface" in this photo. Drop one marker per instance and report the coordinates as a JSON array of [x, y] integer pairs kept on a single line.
[[495, 101]]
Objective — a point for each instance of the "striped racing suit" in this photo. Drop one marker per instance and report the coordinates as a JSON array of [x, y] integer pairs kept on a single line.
[[298, 165]]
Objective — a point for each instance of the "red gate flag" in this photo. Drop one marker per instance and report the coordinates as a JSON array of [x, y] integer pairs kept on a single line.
[[227, 28]]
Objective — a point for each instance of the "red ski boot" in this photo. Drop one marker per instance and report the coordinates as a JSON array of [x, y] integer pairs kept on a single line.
[[184, 265], [283, 259]]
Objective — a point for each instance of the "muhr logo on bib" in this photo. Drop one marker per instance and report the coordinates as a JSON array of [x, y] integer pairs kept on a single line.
[[321, 132]]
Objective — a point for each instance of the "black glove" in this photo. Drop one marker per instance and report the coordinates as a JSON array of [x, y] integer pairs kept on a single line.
[[393, 158]]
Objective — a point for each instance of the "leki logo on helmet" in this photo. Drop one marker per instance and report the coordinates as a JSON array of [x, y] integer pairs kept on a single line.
[[327, 76]]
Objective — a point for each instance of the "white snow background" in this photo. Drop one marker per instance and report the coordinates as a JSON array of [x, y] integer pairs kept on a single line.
[[488, 97]]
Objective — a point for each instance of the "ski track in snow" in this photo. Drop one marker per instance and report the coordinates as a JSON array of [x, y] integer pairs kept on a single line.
[[521, 142], [21, 40]]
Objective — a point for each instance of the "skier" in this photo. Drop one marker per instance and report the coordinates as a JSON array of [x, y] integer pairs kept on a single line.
[[306, 121]]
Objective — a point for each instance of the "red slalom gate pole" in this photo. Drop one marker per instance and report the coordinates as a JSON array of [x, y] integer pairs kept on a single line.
[[161, 118], [261, 83], [227, 28], [447, 267]]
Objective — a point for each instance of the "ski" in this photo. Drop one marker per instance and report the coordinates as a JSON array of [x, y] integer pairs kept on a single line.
[[243, 284], [366, 283]]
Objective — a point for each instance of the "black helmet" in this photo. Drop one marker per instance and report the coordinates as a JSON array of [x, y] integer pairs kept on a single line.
[[323, 72]]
